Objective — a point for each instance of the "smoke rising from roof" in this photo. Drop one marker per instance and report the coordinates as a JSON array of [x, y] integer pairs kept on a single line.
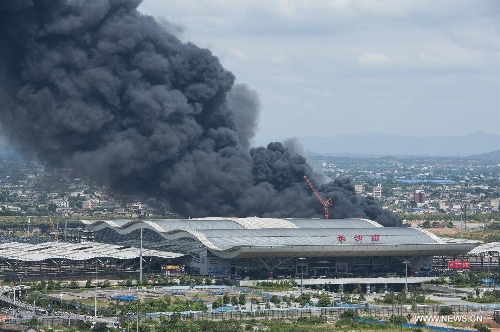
[[97, 86]]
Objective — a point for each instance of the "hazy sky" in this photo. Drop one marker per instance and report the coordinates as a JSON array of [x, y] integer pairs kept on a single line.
[[320, 68]]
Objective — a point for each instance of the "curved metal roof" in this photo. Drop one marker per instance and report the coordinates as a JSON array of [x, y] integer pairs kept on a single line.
[[243, 237], [166, 225], [486, 249], [74, 251]]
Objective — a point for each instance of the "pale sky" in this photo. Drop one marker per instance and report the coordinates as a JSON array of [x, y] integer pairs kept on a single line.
[[322, 68]]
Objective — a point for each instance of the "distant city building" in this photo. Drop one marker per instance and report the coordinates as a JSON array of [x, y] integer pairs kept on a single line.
[[60, 202], [359, 188], [90, 204], [377, 191], [419, 196], [137, 206]]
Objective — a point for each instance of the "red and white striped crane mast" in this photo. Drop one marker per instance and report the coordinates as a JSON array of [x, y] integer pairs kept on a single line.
[[326, 203]]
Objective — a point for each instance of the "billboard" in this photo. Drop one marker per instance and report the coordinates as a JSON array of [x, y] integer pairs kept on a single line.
[[458, 265], [172, 270]]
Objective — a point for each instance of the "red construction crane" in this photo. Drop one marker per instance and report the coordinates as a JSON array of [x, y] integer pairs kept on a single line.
[[326, 203]]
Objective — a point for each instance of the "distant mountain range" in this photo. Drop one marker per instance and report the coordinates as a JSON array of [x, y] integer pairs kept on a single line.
[[382, 145], [494, 155], [477, 145]]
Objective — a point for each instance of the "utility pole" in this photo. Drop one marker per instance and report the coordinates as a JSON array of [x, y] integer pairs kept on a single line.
[[140, 262], [461, 225], [138, 302], [406, 276], [65, 229], [465, 215], [95, 293], [301, 259]]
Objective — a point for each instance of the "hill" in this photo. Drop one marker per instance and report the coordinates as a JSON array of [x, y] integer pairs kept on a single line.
[[381, 144]]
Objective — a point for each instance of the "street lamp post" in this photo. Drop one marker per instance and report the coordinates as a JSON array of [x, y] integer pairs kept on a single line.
[[301, 259], [140, 262], [406, 275], [137, 322], [95, 293]]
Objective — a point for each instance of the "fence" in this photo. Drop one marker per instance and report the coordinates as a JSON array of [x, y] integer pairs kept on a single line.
[[333, 313], [46, 321], [410, 325]]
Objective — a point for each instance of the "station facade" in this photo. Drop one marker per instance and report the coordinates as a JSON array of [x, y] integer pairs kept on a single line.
[[263, 248]]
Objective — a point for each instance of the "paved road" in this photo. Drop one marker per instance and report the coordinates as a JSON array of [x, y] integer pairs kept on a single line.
[[25, 312]]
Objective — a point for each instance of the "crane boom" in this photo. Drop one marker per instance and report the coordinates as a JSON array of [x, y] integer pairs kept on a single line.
[[326, 203], [56, 237]]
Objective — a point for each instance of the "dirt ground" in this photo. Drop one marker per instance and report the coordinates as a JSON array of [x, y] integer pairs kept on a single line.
[[487, 321]]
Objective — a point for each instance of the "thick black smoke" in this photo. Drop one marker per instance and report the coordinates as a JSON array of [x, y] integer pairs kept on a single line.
[[97, 86]]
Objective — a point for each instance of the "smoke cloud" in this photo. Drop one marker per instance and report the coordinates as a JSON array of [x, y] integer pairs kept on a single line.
[[97, 86]]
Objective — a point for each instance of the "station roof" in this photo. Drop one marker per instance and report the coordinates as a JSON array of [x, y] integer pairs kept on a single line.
[[252, 237], [166, 225], [74, 251], [486, 249]]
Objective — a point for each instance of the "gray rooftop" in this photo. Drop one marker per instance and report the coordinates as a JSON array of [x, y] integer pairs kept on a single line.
[[486, 249], [232, 237], [74, 251]]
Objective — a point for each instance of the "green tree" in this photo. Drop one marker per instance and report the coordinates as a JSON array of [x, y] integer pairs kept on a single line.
[[73, 284], [481, 327], [275, 299], [324, 301], [340, 290], [34, 322], [242, 300], [348, 314], [303, 299], [217, 303], [445, 311], [99, 327], [208, 280], [175, 317], [397, 319]]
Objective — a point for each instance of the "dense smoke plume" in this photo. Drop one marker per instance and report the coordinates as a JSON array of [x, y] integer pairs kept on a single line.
[[97, 86]]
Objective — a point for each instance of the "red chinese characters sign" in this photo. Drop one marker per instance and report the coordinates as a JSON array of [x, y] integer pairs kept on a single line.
[[458, 265], [358, 238]]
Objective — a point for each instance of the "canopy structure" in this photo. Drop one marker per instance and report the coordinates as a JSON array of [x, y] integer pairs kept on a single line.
[[74, 251], [84, 260], [230, 238]]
